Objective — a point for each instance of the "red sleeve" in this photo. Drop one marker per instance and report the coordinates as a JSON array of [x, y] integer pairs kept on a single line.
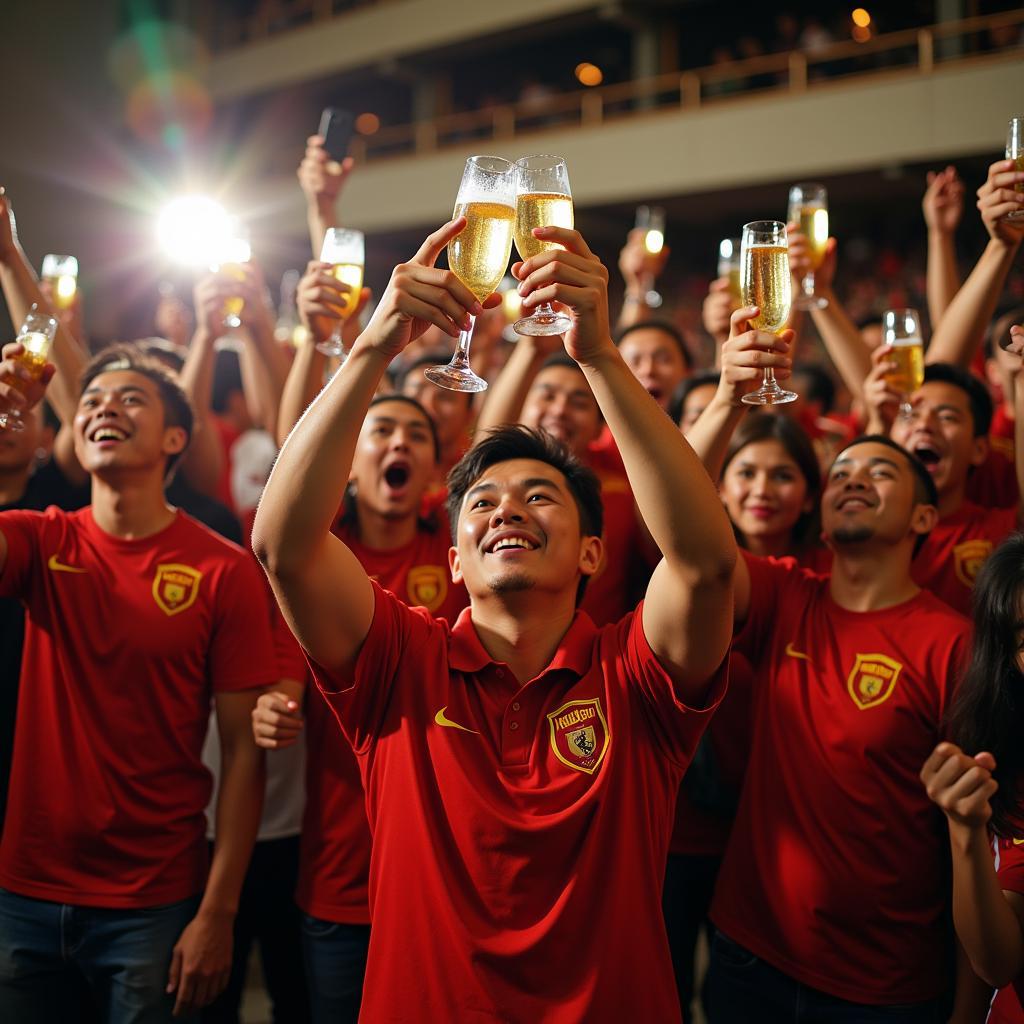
[[241, 653], [1010, 865], [768, 577], [21, 531], [397, 632], [676, 726], [291, 662]]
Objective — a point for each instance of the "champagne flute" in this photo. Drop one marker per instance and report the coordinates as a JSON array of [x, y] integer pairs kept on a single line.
[[235, 253], [543, 199], [478, 255], [729, 266], [901, 328], [808, 208], [1015, 152], [764, 281], [345, 250], [36, 335], [651, 219], [62, 273]]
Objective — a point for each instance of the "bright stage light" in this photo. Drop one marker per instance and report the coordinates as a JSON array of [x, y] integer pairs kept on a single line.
[[194, 230]]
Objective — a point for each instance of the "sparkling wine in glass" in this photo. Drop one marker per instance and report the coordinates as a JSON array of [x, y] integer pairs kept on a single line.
[[808, 209], [901, 329], [1015, 152], [345, 250], [36, 337]]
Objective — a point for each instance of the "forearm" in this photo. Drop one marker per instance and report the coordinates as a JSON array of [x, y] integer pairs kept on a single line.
[[505, 397], [315, 462], [985, 922], [971, 996], [675, 495], [709, 437], [239, 805], [843, 342], [304, 380], [320, 216], [203, 464], [942, 278], [634, 308], [963, 325], [264, 370], [1018, 433]]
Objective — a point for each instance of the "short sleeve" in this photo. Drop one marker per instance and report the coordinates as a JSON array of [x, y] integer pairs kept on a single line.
[[22, 532], [676, 726], [767, 579], [241, 653], [1010, 865], [291, 662], [397, 634]]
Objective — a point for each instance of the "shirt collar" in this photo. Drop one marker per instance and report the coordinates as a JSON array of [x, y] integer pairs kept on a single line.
[[575, 651]]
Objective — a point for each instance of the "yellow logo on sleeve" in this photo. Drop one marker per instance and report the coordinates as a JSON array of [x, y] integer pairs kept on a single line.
[[872, 679], [175, 587], [969, 557]]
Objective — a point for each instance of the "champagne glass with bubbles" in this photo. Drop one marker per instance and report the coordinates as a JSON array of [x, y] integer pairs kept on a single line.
[[345, 250], [808, 209], [543, 199], [36, 336], [478, 255], [764, 281], [1015, 152], [901, 329]]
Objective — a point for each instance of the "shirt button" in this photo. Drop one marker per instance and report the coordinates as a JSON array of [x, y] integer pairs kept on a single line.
[[514, 725], [515, 705]]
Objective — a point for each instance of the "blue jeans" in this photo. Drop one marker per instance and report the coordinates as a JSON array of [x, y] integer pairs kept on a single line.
[[741, 987], [335, 956], [124, 956]]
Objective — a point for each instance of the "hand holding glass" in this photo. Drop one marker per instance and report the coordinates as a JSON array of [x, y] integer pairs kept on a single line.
[[808, 209], [62, 273], [543, 199], [1015, 152], [345, 250], [234, 255], [36, 336], [651, 219], [478, 255], [765, 283], [901, 329]]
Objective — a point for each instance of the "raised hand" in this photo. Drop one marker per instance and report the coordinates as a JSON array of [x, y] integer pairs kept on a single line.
[[748, 353], [320, 177], [881, 402], [943, 202], [209, 295], [960, 784], [28, 391], [8, 228], [716, 313], [577, 280], [997, 198], [800, 259], [635, 261]]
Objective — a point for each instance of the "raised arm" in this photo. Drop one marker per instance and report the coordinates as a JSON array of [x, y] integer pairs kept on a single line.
[[322, 180], [1017, 347], [962, 327], [320, 585], [943, 205], [688, 609], [639, 269], [505, 397]]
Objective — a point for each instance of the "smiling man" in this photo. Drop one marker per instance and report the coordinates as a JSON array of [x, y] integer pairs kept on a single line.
[[833, 893], [137, 617], [520, 768]]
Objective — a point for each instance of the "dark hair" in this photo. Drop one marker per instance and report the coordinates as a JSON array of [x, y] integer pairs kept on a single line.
[[698, 380], [818, 385], [227, 379], [977, 394], [163, 350], [793, 438], [925, 492], [177, 407], [988, 709], [418, 406], [666, 328], [518, 442], [432, 358], [566, 361]]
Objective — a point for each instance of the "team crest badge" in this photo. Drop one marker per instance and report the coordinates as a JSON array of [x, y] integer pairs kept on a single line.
[[176, 587], [579, 734], [427, 585], [872, 680], [970, 557]]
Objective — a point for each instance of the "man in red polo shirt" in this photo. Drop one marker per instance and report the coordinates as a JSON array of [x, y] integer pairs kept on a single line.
[[520, 769], [137, 617], [393, 466], [833, 894]]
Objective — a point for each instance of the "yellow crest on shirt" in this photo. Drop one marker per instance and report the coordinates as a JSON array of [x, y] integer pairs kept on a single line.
[[579, 734], [872, 679], [427, 585], [175, 587], [970, 557]]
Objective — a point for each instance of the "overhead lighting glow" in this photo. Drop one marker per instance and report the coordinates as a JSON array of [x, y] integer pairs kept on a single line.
[[861, 18], [589, 74], [194, 230], [367, 124]]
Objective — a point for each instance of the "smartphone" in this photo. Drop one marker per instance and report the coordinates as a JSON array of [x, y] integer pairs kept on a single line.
[[336, 128]]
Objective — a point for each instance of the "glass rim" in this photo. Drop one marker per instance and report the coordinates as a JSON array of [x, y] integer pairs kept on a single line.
[[479, 161], [343, 233], [774, 228], [37, 317], [807, 186], [900, 310], [553, 161]]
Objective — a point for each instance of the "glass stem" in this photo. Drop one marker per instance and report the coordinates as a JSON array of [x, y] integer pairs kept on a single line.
[[336, 334], [461, 356], [808, 283], [769, 379]]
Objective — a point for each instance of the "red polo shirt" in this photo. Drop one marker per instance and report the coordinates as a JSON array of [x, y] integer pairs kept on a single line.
[[1008, 1005], [956, 549], [836, 870], [520, 832]]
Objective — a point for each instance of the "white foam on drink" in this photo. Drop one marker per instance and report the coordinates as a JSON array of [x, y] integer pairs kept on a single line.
[[476, 194], [905, 342]]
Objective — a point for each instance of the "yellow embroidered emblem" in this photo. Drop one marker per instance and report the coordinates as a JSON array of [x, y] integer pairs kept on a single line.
[[175, 587], [872, 679], [969, 557], [427, 585], [579, 734]]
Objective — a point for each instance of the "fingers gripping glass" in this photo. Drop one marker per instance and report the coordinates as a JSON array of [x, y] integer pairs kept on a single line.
[[233, 257], [543, 199], [345, 250], [478, 255], [765, 283], [1015, 152], [808, 209], [36, 336], [901, 329]]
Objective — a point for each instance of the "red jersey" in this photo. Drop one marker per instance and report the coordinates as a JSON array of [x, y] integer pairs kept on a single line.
[[334, 858], [836, 872], [126, 643], [994, 483], [520, 832], [956, 549], [1008, 1004]]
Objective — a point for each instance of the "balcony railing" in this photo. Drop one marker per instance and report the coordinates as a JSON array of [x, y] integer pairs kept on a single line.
[[912, 51]]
